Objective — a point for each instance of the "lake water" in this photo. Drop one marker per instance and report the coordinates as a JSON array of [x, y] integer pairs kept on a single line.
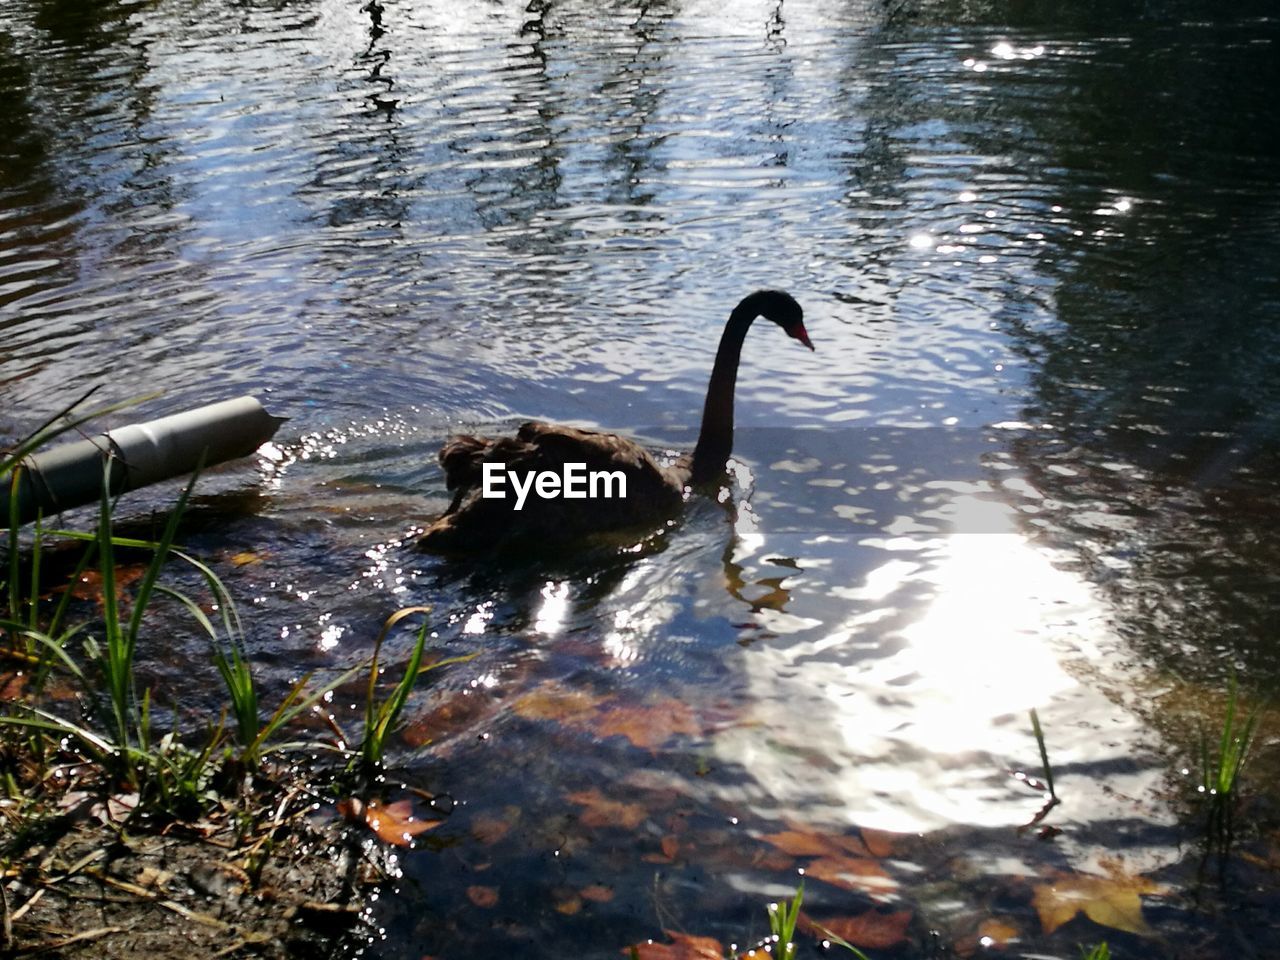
[[1032, 463]]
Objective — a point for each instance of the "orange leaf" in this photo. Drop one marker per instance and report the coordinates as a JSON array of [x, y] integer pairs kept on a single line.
[[670, 846], [852, 873], [798, 844], [458, 710], [549, 702], [244, 559], [1113, 901], [89, 586], [484, 897], [602, 812], [998, 933], [566, 901], [649, 727], [685, 947], [596, 893], [872, 929], [879, 843], [13, 686], [392, 822], [809, 843], [489, 828]]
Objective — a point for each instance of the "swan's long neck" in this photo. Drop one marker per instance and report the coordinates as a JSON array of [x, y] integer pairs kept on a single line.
[[715, 441]]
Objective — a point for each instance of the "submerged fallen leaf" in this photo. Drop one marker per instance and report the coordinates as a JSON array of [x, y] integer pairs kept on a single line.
[[393, 822], [457, 711], [551, 702], [872, 929], [879, 843], [89, 584], [852, 873], [670, 846], [602, 812], [489, 828], [685, 947], [807, 843], [798, 844], [566, 901], [596, 893], [649, 727], [245, 558], [996, 932], [993, 932], [1113, 901], [484, 897]]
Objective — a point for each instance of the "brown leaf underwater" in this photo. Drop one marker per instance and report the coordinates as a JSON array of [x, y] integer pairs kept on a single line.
[[483, 897], [852, 873], [871, 929], [648, 726], [602, 812], [1110, 901]]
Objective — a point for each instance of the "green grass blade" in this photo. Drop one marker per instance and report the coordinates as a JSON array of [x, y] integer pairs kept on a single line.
[[55, 647], [159, 554], [97, 746], [14, 585], [33, 597], [375, 736], [294, 703], [1227, 742], [234, 671], [117, 659], [839, 941], [782, 924], [377, 718], [1044, 753]]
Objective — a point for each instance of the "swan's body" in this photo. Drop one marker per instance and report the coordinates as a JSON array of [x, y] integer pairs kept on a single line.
[[654, 491]]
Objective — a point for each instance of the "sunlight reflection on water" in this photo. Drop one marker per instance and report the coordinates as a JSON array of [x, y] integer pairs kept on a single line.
[[918, 724]]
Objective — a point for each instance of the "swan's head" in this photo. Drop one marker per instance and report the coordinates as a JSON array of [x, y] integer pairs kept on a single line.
[[782, 309]]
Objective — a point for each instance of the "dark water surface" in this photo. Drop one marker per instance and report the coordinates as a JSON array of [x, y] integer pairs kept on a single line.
[[1033, 462]]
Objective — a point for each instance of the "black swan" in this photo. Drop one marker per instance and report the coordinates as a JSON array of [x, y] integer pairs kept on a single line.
[[564, 507]]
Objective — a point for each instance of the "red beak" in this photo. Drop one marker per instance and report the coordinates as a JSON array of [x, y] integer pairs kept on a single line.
[[799, 332]]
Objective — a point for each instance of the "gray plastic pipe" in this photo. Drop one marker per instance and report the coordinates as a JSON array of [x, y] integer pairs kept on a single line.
[[140, 454]]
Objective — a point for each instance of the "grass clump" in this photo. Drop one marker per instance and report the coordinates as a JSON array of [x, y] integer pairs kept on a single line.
[[88, 766], [1221, 766], [782, 924], [380, 717], [115, 732], [112, 732]]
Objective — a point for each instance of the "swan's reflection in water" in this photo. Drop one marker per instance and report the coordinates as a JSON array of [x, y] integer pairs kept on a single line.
[[908, 713]]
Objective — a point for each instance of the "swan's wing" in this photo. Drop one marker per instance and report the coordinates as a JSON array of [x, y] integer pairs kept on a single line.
[[553, 445]]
